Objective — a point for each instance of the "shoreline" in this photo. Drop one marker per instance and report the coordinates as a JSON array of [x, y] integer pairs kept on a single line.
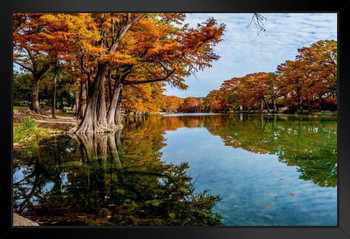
[[20, 221], [62, 123]]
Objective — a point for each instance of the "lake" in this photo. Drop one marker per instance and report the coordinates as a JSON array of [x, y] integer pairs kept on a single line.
[[185, 169]]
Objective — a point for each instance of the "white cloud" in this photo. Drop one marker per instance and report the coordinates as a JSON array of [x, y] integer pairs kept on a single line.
[[243, 51]]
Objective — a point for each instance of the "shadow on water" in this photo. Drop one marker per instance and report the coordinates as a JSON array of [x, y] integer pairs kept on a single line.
[[120, 179]]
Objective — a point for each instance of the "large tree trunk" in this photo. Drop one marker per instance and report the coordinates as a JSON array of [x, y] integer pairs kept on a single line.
[[300, 103], [267, 105], [82, 100], [300, 100], [274, 105], [110, 87], [34, 104], [113, 105], [261, 105], [94, 120], [76, 102], [118, 112], [308, 100]]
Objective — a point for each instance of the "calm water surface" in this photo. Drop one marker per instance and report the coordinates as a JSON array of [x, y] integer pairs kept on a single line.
[[188, 169]]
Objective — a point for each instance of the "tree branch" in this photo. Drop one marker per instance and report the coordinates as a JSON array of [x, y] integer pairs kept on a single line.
[[148, 81], [43, 69], [25, 67], [123, 31], [82, 65], [31, 57], [259, 21]]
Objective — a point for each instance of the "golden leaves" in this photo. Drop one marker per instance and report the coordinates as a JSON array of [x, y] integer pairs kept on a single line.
[[117, 57], [155, 45]]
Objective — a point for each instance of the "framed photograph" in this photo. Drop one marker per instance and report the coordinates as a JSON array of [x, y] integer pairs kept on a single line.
[[198, 119]]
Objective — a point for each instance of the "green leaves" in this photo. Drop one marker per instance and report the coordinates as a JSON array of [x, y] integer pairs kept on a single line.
[[154, 202]]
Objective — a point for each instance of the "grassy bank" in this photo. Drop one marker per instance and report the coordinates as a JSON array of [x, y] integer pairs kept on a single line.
[[28, 132]]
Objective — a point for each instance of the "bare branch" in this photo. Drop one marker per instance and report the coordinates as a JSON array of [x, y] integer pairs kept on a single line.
[[259, 21], [25, 67]]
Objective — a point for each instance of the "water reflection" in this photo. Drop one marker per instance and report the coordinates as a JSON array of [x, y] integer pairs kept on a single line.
[[124, 178], [308, 142], [84, 181]]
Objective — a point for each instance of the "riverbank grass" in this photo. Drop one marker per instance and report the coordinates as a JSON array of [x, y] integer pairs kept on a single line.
[[28, 131]]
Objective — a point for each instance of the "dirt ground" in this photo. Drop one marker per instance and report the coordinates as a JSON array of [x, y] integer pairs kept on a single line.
[[22, 221], [45, 120]]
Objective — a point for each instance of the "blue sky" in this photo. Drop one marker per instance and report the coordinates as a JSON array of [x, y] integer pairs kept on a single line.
[[243, 51]]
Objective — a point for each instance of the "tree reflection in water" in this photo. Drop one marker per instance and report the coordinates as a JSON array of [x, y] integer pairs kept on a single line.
[[83, 181], [119, 179], [305, 141]]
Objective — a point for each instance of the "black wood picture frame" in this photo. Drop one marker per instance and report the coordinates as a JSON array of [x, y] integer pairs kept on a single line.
[[342, 8]]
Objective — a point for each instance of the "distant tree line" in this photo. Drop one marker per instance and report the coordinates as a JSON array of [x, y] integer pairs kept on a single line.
[[307, 83]]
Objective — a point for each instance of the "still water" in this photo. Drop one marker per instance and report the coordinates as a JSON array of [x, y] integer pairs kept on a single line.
[[185, 169]]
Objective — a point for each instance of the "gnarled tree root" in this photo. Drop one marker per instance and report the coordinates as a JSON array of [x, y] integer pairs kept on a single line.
[[93, 129]]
